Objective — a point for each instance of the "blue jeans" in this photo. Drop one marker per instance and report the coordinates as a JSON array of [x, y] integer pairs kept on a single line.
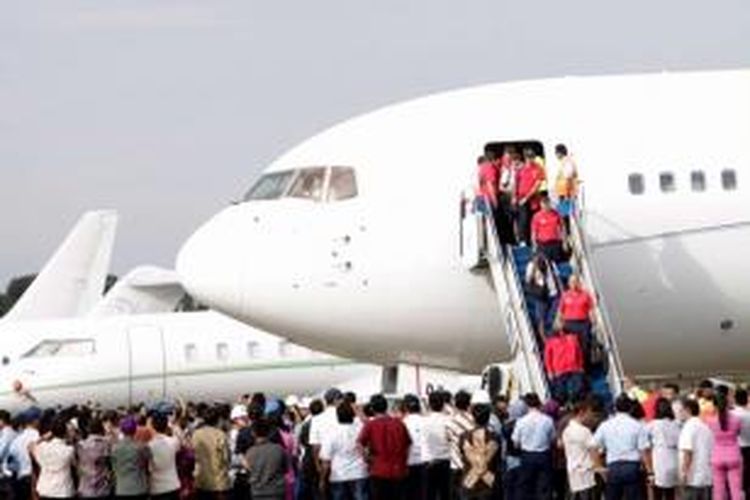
[[350, 490], [535, 481]]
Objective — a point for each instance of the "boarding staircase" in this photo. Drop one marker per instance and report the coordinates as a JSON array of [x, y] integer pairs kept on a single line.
[[527, 362], [507, 267]]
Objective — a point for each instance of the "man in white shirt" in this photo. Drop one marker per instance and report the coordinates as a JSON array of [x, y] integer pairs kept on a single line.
[[416, 482], [743, 413], [56, 459], [436, 451], [164, 481], [342, 458], [19, 454], [696, 444], [578, 443], [323, 426]]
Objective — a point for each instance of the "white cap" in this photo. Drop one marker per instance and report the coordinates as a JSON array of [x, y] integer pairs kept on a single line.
[[305, 402], [480, 397], [239, 411], [291, 400]]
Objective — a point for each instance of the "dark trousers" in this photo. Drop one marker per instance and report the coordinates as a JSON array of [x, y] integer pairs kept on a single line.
[[172, 495], [351, 490], [512, 484], [746, 471], [455, 489], [663, 493], [21, 488], [696, 493], [567, 388], [536, 475], [387, 489], [439, 480], [553, 250], [624, 481], [416, 482], [523, 223], [589, 494], [212, 495], [504, 221], [582, 328]]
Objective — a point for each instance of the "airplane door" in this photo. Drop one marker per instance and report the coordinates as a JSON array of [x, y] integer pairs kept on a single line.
[[147, 364]]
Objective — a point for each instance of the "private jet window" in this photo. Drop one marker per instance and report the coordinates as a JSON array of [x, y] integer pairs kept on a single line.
[[309, 184], [270, 186], [191, 353], [252, 349], [222, 351], [667, 182], [636, 184], [343, 184], [698, 180], [729, 179], [67, 347]]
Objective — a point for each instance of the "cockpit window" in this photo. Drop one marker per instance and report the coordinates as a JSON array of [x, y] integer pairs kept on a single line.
[[270, 186], [343, 184], [66, 347], [309, 184]]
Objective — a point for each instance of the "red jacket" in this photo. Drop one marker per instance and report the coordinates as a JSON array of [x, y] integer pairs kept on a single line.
[[563, 355]]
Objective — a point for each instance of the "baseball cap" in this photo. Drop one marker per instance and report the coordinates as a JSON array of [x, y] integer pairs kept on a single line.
[[238, 411]]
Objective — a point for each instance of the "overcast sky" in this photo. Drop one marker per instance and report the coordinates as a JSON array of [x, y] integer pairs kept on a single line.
[[166, 110]]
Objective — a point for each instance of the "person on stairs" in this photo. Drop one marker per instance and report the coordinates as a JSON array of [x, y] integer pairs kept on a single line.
[[547, 231], [563, 360], [542, 284], [577, 314], [529, 180]]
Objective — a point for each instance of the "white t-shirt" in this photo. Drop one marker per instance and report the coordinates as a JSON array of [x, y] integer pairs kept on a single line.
[[55, 460], [744, 415], [163, 465], [414, 423], [323, 425], [341, 449], [697, 438], [578, 442], [435, 445], [665, 437]]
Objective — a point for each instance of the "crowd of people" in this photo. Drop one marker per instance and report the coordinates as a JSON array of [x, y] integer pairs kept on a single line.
[[656, 444]]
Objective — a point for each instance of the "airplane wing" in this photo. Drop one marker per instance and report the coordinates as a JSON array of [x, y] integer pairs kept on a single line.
[[73, 280]]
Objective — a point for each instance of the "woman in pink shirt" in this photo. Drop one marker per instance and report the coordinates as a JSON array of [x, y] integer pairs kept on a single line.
[[726, 459]]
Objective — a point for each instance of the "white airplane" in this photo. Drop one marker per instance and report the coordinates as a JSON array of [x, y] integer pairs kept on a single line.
[[132, 348], [350, 243], [73, 280]]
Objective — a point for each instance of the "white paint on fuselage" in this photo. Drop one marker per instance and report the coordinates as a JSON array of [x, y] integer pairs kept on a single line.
[[671, 264]]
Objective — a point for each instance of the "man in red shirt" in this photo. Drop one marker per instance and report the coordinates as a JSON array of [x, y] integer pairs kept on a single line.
[[387, 441], [563, 360], [547, 231], [577, 313], [529, 180]]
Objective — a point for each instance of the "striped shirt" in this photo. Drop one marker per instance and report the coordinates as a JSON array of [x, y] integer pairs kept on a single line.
[[460, 423]]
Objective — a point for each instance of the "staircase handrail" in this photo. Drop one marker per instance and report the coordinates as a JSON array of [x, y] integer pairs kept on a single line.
[[585, 267], [524, 336]]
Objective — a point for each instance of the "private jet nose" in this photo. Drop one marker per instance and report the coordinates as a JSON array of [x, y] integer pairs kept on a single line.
[[209, 264]]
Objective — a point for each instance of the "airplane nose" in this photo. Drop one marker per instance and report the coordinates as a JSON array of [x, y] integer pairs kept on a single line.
[[208, 267]]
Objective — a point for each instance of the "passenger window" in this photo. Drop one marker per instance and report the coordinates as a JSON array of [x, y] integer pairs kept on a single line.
[[270, 186], [309, 184], [222, 351], [252, 350], [667, 182], [729, 179], [698, 180], [191, 353], [343, 184], [636, 184], [68, 347]]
